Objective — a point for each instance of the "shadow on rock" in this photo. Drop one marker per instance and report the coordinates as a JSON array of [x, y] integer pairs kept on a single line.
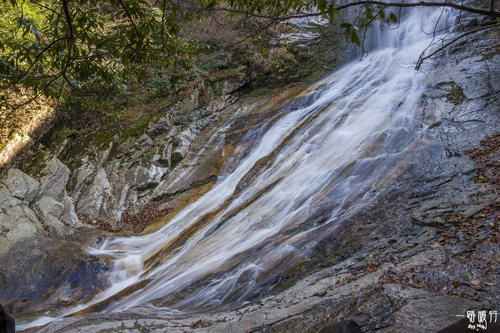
[[42, 274], [7, 323]]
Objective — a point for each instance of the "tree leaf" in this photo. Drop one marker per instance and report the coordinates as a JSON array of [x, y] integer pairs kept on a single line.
[[355, 37], [393, 17]]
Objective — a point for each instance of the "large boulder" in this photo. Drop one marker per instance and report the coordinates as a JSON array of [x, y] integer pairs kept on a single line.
[[21, 185], [50, 212], [17, 220], [30, 208], [43, 273], [16, 223], [54, 178], [6, 197], [92, 201]]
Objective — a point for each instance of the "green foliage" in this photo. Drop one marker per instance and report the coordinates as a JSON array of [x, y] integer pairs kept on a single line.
[[160, 85], [279, 7], [368, 15], [85, 47], [103, 138]]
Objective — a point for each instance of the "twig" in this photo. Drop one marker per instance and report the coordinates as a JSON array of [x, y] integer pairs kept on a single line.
[[131, 20], [422, 58], [490, 12], [47, 8], [70, 35]]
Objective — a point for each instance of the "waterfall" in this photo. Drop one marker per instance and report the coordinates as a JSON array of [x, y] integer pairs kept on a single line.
[[310, 169]]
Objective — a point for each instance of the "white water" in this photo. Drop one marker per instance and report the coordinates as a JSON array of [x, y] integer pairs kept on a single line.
[[351, 134]]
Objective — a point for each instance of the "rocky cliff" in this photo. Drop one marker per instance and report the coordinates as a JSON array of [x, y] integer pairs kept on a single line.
[[430, 249]]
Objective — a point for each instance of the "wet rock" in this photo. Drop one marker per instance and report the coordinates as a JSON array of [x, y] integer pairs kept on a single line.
[[345, 326], [438, 312], [7, 323], [431, 213], [42, 273], [469, 76]]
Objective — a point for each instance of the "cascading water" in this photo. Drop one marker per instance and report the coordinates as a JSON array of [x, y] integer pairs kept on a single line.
[[312, 168]]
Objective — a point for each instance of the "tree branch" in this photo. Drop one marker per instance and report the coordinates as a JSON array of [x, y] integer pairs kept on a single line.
[[70, 36], [422, 57], [37, 58], [163, 22], [45, 7], [139, 35], [490, 12]]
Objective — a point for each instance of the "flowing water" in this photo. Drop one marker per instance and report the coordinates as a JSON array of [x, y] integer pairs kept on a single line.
[[305, 173]]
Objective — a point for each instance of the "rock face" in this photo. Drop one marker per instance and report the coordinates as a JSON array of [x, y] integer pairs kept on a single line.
[[42, 267], [42, 274], [29, 207], [345, 326], [428, 241], [131, 172], [35, 217], [21, 185]]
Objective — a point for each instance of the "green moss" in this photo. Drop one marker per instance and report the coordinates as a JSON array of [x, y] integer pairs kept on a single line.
[[264, 90], [456, 94], [436, 124], [135, 131], [103, 138], [9, 139], [38, 163], [490, 55], [79, 146], [148, 156]]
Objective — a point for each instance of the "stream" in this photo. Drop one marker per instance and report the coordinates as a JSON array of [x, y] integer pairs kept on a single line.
[[304, 174]]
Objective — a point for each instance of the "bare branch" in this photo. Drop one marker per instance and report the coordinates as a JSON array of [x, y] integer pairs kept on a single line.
[[490, 12], [70, 35], [37, 58], [131, 20], [422, 58], [265, 27]]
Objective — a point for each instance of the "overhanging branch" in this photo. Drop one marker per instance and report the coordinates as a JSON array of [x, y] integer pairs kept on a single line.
[[486, 12], [422, 58]]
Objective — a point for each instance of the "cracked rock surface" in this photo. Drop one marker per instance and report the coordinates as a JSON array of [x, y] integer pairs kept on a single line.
[[430, 242]]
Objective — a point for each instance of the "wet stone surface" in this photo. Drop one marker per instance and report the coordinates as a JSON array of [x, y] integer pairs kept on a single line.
[[43, 274], [424, 250]]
